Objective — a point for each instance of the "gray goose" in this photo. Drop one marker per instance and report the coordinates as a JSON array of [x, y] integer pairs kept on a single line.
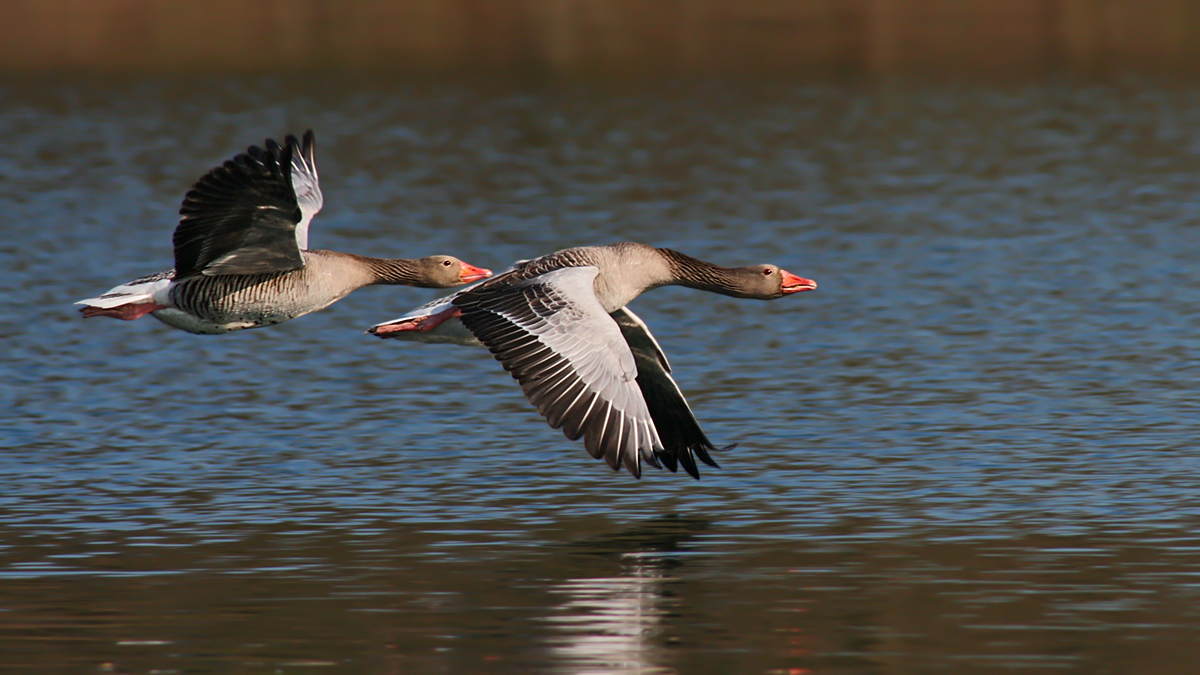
[[242, 258], [559, 325]]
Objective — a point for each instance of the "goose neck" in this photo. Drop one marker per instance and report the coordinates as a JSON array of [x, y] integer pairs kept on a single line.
[[705, 276]]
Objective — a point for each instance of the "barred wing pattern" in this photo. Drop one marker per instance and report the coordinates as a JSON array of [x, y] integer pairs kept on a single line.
[[251, 214], [683, 439], [552, 334]]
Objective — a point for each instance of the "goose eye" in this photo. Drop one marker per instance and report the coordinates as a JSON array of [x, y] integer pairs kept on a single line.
[[768, 272], [445, 263]]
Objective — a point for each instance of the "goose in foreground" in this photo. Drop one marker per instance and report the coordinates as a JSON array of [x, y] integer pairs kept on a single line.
[[242, 258], [591, 367]]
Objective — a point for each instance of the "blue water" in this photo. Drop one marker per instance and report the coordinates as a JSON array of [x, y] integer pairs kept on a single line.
[[973, 449]]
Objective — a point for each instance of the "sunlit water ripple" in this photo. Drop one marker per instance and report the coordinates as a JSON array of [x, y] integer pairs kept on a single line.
[[972, 449]]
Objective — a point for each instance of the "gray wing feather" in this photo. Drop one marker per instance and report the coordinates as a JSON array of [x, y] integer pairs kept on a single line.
[[571, 359]]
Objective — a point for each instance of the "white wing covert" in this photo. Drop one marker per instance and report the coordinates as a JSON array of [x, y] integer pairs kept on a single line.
[[306, 186]]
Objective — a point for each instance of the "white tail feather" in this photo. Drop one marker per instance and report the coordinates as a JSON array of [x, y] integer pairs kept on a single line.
[[136, 291]]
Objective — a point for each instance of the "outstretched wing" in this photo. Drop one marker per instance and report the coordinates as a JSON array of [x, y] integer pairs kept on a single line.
[[683, 439], [555, 338], [251, 214]]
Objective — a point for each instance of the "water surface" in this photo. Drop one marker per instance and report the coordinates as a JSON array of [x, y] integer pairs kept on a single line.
[[972, 450]]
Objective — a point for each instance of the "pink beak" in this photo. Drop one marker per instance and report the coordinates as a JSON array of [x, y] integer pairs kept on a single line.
[[471, 273], [795, 284]]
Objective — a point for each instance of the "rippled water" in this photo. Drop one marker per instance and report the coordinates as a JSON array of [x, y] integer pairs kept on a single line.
[[972, 450]]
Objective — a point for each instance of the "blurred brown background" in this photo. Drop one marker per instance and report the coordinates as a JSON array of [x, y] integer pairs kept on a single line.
[[622, 38]]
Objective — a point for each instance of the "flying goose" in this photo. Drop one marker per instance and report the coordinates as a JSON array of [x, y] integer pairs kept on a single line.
[[242, 258], [591, 367]]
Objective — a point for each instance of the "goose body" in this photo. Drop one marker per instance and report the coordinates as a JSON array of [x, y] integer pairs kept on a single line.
[[242, 258], [559, 325]]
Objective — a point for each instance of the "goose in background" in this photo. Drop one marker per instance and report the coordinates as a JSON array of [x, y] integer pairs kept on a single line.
[[559, 325], [242, 258]]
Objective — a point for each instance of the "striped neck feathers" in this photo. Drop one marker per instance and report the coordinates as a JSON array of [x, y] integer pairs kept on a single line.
[[395, 271], [738, 282]]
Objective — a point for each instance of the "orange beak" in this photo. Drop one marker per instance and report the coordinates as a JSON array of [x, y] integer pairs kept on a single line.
[[471, 273], [795, 284]]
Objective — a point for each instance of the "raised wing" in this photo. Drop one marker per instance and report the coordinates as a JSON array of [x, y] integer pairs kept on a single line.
[[250, 215], [683, 439], [573, 364]]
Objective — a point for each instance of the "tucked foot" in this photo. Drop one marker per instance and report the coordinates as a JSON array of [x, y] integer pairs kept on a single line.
[[124, 312], [420, 324]]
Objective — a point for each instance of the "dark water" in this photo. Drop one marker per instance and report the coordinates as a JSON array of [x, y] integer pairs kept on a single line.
[[973, 450]]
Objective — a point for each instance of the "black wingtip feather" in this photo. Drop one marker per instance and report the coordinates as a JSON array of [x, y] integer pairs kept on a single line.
[[633, 465], [246, 204], [308, 148], [702, 453], [689, 463], [652, 459], [668, 460], [277, 151]]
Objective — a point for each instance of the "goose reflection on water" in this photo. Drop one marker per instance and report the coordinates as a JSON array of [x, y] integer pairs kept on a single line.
[[619, 624], [607, 623]]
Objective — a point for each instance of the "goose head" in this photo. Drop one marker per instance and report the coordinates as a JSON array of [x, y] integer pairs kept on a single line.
[[445, 271]]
